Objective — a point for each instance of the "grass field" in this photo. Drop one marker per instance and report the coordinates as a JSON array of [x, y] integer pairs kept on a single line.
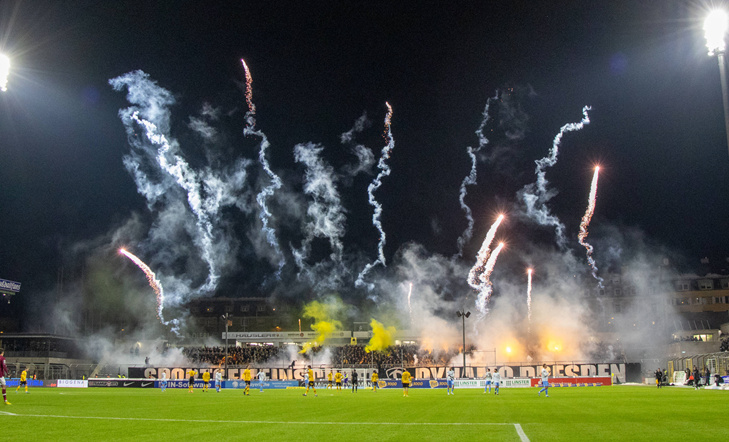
[[587, 413]]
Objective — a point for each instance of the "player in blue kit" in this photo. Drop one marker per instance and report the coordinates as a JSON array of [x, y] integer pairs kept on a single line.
[[450, 379], [545, 381], [488, 378]]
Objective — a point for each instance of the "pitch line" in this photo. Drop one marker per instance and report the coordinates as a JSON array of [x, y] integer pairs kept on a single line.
[[518, 428]]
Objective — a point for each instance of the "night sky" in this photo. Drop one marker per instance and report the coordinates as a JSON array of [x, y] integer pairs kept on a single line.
[[657, 127]]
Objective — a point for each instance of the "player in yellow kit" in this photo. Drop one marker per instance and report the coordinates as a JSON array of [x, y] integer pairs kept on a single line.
[[23, 381], [247, 379], [310, 372], [375, 378], [206, 381], [338, 380], [191, 379], [406, 383], [329, 379]]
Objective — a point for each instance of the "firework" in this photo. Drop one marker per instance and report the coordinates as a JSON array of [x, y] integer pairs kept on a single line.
[[586, 222], [470, 179], [249, 95], [153, 281], [486, 287], [276, 183], [536, 195], [376, 183], [483, 255]]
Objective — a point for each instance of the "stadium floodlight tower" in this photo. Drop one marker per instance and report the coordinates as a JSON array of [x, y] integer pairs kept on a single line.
[[4, 72], [463, 314], [715, 27]]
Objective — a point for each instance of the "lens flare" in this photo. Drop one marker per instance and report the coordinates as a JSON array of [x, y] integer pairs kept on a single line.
[[4, 72], [715, 27]]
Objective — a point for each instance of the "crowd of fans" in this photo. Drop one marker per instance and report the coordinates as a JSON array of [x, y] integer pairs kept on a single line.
[[236, 355], [339, 355], [724, 344]]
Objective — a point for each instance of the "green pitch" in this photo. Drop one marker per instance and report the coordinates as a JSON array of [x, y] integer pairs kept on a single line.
[[588, 413]]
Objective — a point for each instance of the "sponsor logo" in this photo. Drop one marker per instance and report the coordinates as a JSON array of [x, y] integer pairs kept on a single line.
[[126, 384], [433, 384], [9, 285], [382, 384], [147, 384]]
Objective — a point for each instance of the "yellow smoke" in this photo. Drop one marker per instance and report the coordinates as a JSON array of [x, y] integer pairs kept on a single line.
[[382, 337], [324, 325]]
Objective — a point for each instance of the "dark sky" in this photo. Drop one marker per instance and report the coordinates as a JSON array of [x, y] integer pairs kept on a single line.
[[657, 121]]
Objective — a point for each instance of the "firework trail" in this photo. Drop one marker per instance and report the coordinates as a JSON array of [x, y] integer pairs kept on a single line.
[[410, 307], [325, 215], [266, 192], [483, 255], [376, 183], [470, 180], [486, 288], [187, 179], [153, 282], [4, 72], [536, 195], [586, 222], [529, 299]]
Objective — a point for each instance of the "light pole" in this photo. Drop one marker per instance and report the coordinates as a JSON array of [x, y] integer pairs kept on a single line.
[[226, 318], [463, 314], [715, 27]]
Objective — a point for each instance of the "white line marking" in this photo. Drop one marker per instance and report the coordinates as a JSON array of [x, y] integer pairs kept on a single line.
[[521, 433], [206, 421], [7, 413]]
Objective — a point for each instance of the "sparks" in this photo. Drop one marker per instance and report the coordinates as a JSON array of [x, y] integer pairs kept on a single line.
[[586, 222], [249, 94], [153, 281]]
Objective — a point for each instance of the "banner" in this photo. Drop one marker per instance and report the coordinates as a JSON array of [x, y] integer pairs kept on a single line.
[[267, 385], [623, 372], [123, 383], [72, 383], [257, 336], [31, 383]]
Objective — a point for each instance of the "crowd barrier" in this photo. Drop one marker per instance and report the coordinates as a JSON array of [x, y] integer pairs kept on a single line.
[[281, 385]]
